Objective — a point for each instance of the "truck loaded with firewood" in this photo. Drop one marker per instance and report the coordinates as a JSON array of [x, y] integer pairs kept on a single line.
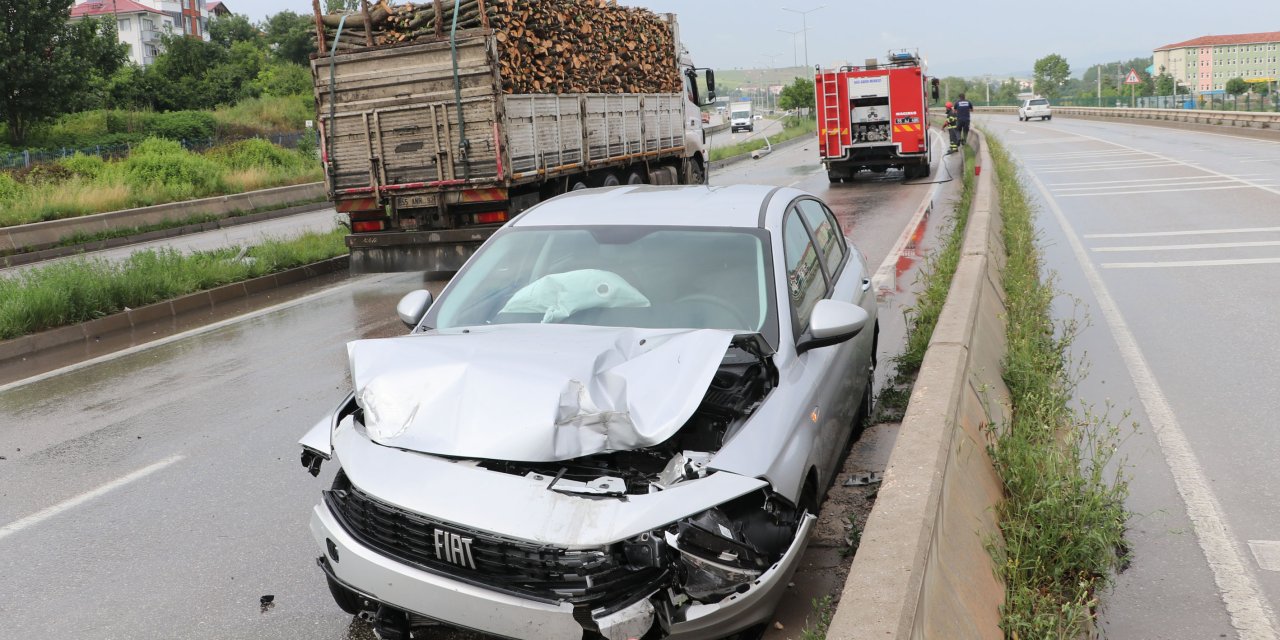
[[439, 121]]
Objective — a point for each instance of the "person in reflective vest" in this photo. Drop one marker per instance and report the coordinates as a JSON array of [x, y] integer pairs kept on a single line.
[[952, 126]]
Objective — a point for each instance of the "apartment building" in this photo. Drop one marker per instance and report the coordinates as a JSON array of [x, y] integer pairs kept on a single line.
[[139, 23], [1205, 64]]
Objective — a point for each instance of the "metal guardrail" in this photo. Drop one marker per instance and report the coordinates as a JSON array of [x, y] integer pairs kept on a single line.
[[1241, 119]]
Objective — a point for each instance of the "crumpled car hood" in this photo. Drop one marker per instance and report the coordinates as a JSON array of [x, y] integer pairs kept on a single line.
[[533, 393]]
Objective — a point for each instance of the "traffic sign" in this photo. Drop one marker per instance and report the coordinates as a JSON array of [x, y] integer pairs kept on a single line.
[[1132, 78]]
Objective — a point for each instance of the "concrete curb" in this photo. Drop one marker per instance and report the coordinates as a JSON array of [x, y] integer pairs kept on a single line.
[[731, 160], [44, 235], [922, 569], [125, 322], [172, 232]]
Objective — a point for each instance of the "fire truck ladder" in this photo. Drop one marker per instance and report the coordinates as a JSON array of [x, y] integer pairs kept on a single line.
[[830, 116]]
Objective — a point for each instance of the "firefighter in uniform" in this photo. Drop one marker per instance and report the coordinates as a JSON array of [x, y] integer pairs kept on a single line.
[[952, 125]]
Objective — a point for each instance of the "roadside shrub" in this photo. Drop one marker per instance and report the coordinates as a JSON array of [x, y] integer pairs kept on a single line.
[[42, 174], [253, 154], [184, 125], [85, 166], [157, 163], [9, 188]]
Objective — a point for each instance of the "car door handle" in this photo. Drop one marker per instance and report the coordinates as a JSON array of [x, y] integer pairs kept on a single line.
[[866, 283]]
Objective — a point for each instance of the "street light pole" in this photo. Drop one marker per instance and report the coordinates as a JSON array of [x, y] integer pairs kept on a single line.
[[795, 60], [804, 26]]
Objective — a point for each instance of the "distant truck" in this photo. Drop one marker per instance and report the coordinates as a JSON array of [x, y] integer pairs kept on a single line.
[[425, 182], [740, 117], [874, 117]]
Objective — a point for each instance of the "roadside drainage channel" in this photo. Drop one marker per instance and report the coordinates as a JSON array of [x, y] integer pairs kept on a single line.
[[31, 257], [922, 569], [39, 236], [37, 353]]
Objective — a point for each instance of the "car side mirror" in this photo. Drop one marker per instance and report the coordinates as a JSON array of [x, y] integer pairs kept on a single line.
[[832, 322], [413, 306]]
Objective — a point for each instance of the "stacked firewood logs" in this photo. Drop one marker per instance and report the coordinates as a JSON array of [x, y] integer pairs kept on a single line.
[[544, 46]]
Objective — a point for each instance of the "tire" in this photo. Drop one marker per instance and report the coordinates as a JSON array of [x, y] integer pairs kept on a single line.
[[1048, 117], [636, 176], [697, 173], [578, 184], [607, 179], [923, 171], [346, 599]]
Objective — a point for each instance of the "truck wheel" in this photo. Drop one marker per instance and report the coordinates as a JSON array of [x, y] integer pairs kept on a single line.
[[578, 184], [636, 176], [697, 173], [346, 599], [607, 179]]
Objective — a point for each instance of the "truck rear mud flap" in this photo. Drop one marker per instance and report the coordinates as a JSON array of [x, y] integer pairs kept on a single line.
[[442, 251]]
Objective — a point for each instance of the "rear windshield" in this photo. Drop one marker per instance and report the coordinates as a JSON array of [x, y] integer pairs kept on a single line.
[[1036, 103]]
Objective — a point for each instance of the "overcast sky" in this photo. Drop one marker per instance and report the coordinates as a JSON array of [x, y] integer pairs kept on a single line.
[[997, 37]]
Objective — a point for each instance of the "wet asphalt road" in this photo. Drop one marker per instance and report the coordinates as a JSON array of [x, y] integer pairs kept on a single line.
[[1171, 241], [158, 494]]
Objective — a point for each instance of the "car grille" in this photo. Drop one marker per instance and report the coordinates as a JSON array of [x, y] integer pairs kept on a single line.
[[589, 578]]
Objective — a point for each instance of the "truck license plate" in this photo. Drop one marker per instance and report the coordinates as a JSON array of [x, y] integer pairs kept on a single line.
[[416, 202]]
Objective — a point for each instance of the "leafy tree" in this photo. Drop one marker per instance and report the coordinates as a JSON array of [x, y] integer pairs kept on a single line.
[[292, 36], [45, 63], [1164, 85], [282, 79], [1051, 73], [230, 29], [1237, 86], [341, 6], [797, 95]]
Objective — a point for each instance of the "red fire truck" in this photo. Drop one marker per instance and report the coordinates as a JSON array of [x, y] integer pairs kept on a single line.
[[874, 117]]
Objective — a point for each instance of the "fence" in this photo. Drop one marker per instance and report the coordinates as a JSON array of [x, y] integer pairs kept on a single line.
[[28, 157], [1209, 102]]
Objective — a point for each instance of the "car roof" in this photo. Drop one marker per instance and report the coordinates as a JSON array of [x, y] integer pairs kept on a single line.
[[689, 206]]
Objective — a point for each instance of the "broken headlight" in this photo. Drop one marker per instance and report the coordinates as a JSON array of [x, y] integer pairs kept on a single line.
[[723, 550]]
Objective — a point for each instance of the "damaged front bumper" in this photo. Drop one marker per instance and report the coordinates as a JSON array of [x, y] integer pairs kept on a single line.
[[443, 598]]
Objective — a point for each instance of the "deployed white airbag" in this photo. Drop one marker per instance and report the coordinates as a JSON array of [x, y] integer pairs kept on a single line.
[[559, 295], [533, 393]]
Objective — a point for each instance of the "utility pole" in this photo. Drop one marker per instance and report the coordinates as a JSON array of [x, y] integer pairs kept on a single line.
[[1099, 85], [804, 26], [795, 60]]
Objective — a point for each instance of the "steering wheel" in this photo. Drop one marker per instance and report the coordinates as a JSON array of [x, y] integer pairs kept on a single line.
[[721, 310]]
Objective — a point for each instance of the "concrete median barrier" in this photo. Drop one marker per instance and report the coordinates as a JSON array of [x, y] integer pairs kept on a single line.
[[923, 569], [42, 235], [1256, 123]]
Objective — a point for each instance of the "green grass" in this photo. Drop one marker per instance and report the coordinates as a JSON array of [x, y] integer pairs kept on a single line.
[[156, 172], [1063, 518], [935, 278], [794, 129], [79, 290], [815, 628]]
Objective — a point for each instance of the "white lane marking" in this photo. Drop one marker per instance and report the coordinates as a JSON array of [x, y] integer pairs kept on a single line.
[[1189, 263], [1135, 180], [1275, 160], [1175, 182], [1175, 160], [1246, 607], [1150, 165], [71, 503], [1126, 193], [1198, 232], [1267, 553], [1179, 247], [1095, 163]]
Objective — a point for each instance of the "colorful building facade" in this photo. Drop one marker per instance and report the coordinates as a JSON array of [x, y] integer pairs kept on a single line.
[[1205, 64]]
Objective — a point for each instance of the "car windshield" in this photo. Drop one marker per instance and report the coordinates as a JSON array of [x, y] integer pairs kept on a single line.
[[1037, 103], [617, 276]]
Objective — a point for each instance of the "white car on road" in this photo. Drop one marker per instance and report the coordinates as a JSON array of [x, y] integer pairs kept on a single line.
[[1035, 108]]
